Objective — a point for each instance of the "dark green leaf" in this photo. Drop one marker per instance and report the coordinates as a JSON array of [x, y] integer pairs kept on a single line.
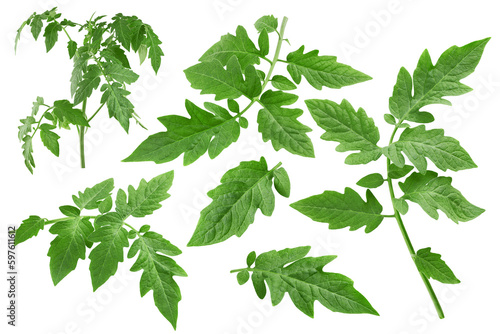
[[268, 23], [80, 61], [119, 106], [282, 182], [28, 153], [63, 110], [51, 34], [374, 180], [431, 265], [342, 210], [280, 125], [155, 53], [191, 136], [69, 246], [433, 192], [122, 30], [50, 139], [243, 277], [91, 80], [36, 26], [431, 83], [251, 258], [242, 191], [104, 258], [418, 144], [119, 73], [263, 43], [322, 71], [282, 83], [115, 54], [305, 281], [212, 78], [29, 228], [396, 172], [91, 197], [239, 46], [158, 272], [69, 211], [353, 130], [71, 48], [146, 198]]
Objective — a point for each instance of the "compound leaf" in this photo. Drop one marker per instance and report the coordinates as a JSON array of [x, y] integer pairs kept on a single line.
[[353, 130], [242, 191], [322, 71], [119, 106], [192, 136], [280, 125], [433, 192], [268, 23], [342, 210], [155, 52], [50, 139], [288, 270], [432, 266]]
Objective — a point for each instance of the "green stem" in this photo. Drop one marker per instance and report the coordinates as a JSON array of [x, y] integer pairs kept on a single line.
[[98, 109], [82, 137], [271, 68], [406, 238], [53, 221], [131, 227]]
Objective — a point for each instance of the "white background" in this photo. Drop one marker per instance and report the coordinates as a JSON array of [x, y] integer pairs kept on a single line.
[[376, 37]]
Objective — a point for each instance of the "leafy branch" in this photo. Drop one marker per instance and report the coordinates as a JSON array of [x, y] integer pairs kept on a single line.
[[355, 131], [99, 63], [107, 235]]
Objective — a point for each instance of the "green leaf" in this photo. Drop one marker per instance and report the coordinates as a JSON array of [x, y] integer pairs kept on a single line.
[[342, 210], [91, 197], [155, 52], [431, 265], [72, 48], [80, 61], [51, 33], [26, 127], [91, 80], [396, 172], [143, 53], [191, 136], [288, 270], [390, 119], [115, 54], [353, 130], [158, 272], [243, 277], [212, 78], [69, 211], [28, 153], [282, 83], [282, 182], [433, 192], [418, 144], [240, 46], [69, 246], [50, 139], [242, 191], [322, 71], [280, 125], [122, 30], [36, 26], [264, 43], [268, 23], [119, 106], [63, 110], [431, 83], [374, 180], [119, 73], [112, 239], [36, 105], [18, 35], [29, 228], [146, 198], [105, 205], [251, 258]]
